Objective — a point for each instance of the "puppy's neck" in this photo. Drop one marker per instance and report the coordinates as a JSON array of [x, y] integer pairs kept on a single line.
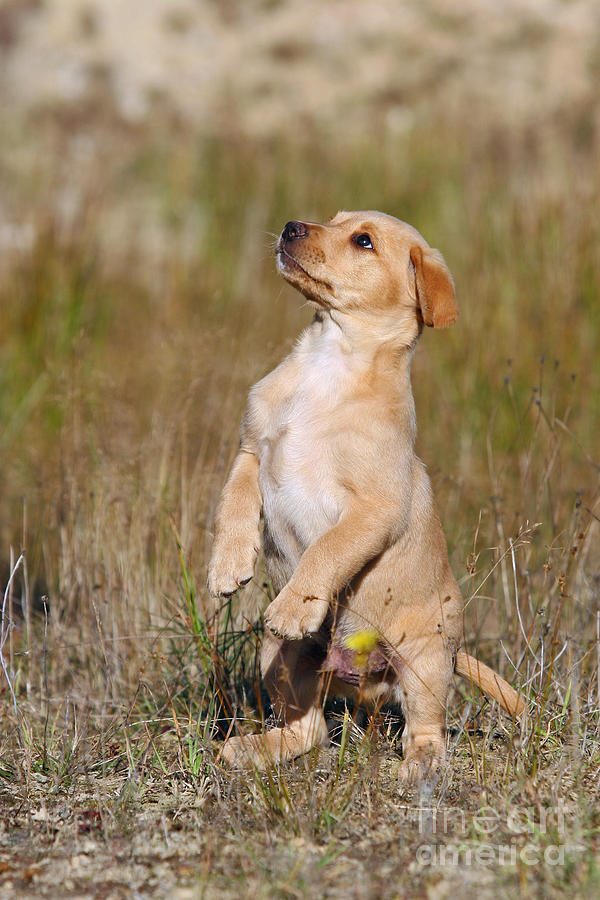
[[372, 340]]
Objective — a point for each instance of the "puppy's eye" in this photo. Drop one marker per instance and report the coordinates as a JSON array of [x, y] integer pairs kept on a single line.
[[364, 241]]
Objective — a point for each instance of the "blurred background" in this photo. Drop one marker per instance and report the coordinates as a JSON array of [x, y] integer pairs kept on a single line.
[[150, 152]]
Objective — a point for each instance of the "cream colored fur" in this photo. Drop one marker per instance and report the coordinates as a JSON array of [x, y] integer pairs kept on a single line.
[[352, 538]]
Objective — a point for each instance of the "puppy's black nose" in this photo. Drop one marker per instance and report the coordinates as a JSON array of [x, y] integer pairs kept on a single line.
[[293, 231]]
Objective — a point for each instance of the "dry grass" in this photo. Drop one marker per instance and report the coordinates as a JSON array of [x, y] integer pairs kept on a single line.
[[138, 305]]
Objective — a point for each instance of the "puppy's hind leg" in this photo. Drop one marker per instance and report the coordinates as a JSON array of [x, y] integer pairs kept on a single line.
[[422, 691], [290, 670]]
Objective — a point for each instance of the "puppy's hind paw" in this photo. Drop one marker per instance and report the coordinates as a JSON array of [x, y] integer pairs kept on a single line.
[[422, 764]]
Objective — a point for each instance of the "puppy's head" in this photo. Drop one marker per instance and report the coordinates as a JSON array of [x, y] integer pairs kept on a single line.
[[369, 262]]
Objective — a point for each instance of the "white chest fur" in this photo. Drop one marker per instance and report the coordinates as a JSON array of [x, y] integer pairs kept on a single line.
[[300, 444]]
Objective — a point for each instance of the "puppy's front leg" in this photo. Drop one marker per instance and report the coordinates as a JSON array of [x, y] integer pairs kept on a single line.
[[237, 534], [327, 566]]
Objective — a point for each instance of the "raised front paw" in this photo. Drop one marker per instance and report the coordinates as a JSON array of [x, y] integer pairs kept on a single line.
[[293, 616], [232, 564]]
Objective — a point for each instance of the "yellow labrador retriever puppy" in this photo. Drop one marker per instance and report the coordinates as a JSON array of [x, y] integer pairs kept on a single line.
[[366, 603]]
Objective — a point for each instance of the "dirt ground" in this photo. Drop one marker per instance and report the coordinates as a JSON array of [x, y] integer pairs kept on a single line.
[[170, 836]]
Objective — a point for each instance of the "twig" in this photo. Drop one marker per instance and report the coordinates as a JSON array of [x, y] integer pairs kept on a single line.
[[5, 628], [523, 632], [598, 654]]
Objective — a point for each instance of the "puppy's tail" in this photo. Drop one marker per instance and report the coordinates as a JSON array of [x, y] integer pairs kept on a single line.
[[490, 683]]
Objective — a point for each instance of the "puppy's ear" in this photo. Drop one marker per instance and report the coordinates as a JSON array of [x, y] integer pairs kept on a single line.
[[434, 286]]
